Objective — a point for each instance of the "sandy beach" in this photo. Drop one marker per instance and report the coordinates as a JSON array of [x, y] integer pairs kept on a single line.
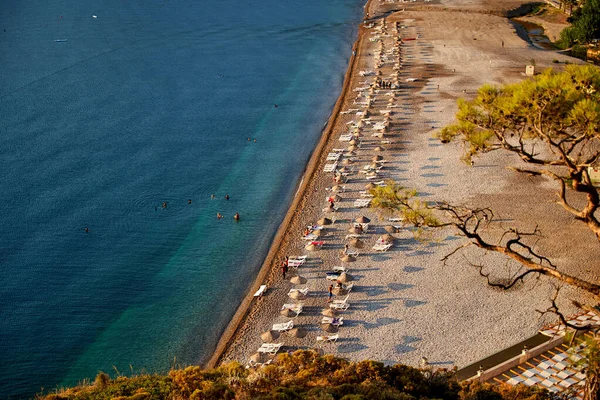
[[405, 303]]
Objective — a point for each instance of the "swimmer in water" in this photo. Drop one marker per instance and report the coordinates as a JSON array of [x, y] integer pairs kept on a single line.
[[236, 216], [189, 201], [275, 106], [164, 205], [219, 216], [212, 196], [226, 197], [87, 230]]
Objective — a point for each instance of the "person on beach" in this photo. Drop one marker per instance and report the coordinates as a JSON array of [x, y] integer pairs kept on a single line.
[[236, 216], [330, 294], [307, 231], [284, 268], [346, 249]]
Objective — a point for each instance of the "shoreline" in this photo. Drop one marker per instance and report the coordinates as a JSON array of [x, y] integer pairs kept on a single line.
[[269, 265], [406, 303]]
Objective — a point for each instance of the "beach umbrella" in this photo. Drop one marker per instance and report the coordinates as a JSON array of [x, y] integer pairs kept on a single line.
[[297, 332], [296, 295], [345, 277], [356, 242], [337, 188], [374, 165], [348, 258], [335, 197], [269, 336], [387, 237], [258, 358], [298, 280], [318, 233], [370, 186], [343, 169], [286, 312], [362, 220], [324, 221], [347, 161], [353, 142], [330, 312], [339, 291], [361, 123], [390, 229], [311, 247], [354, 230], [379, 148], [377, 158], [352, 148], [329, 328]]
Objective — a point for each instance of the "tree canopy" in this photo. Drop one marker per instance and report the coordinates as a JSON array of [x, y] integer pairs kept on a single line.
[[585, 24], [552, 122]]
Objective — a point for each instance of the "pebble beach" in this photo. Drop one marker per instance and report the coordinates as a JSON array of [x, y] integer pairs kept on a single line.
[[405, 303]]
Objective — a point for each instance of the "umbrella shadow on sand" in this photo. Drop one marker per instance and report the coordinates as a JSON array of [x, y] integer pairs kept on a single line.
[[404, 347], [380, 322], [351, 347]]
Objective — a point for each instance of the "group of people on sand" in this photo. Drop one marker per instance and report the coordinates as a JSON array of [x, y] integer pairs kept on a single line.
[[383, 84]]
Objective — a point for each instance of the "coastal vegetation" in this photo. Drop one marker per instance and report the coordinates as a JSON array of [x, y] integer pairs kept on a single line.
[[552, 123], [303, 374], [585, 22]]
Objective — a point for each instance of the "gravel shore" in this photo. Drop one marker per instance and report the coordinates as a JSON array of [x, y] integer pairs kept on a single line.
[[406, 303]]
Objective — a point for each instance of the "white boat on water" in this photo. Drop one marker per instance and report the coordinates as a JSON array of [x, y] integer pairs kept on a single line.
[[60, 40]]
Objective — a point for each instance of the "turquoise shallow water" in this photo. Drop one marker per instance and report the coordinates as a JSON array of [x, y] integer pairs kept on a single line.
[[149, 102]]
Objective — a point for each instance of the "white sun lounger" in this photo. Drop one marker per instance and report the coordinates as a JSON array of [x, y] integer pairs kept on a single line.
[[337, 268], [382, 247], [286, 326], [345, 138], [396, 219], [337, 321], [340, 304], [297, 308], [333, 156], [260, 291], [362, 203], [271, 348], [371, 177], [330, 167], [330, 338], [296, 262], [311, 237], [303, 291]]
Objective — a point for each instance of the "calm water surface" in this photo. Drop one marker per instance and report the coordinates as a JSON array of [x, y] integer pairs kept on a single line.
[[150, 102]]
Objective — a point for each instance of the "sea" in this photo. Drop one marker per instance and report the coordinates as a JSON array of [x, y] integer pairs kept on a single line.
[[119, 120]]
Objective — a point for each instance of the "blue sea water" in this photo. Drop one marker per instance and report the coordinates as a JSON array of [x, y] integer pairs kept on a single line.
[[150, 102]]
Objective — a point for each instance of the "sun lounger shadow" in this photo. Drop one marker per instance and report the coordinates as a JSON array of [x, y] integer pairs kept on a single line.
[[417, 253], [351, 347], [378, 257], [411, 269], [399, 286], [432, 175], [373, 290], [410, 303]]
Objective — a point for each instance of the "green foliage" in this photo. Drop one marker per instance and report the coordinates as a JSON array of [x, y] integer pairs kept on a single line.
[[301, 375], [395, 199], [586, 25], [550, 107]]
